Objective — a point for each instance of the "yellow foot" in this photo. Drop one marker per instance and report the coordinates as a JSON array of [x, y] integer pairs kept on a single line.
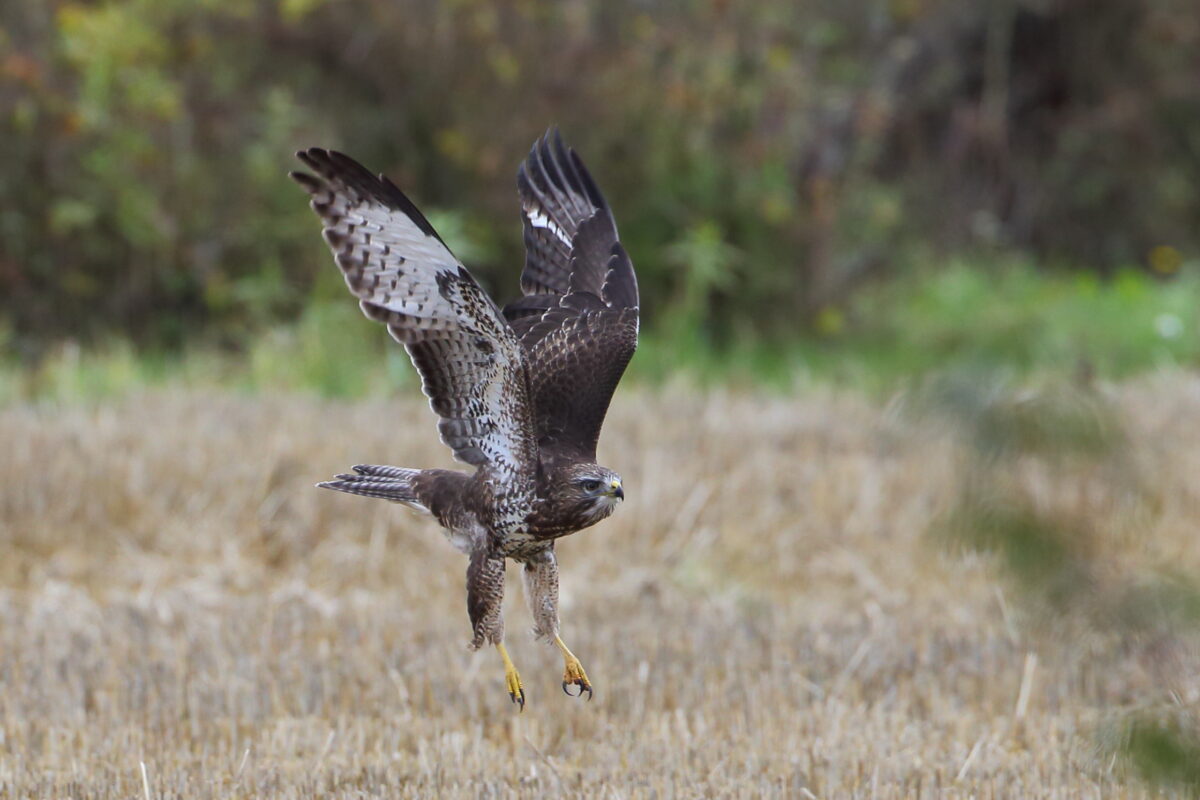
[[573, 674], [511, 679]]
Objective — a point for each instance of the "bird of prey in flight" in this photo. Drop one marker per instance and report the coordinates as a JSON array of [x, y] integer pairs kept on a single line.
[[521, 391]]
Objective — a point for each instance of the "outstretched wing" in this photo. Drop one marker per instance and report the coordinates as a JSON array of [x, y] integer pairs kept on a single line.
[[578, 320], [404, 276]]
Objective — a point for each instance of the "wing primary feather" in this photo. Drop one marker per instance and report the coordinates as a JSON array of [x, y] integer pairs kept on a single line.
[[544, 186], [586, 182], [334, 165], [552, 152], [408, 207], [571, 179], [310, 184]]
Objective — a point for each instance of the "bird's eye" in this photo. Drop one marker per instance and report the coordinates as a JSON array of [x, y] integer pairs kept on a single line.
[[590, 485]]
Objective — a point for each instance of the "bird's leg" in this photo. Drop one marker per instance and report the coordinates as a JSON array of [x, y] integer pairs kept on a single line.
[[573, 674], [485, 598], [512, 680], [541, 591]]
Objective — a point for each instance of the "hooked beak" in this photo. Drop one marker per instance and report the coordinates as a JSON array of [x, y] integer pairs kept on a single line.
[[616, 491]]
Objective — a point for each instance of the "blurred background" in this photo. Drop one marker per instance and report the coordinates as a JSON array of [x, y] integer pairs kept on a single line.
[[848, 190], [910, 433]]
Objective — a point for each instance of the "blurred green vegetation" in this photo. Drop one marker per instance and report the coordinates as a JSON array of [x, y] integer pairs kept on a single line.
[[1005, 316], [792, 178], [1165, 750]]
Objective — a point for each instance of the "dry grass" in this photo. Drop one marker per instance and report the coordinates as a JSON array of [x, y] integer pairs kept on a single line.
[[763, 617]]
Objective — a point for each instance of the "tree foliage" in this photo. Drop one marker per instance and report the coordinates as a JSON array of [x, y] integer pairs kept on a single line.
[[765, 159]]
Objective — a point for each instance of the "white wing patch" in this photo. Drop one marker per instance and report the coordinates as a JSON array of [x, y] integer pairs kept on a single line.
[[539, 220]]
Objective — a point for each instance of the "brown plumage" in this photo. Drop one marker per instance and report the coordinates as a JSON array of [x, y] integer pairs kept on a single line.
[[521, 392]]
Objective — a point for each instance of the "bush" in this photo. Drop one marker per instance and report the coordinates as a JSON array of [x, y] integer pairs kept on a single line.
[[765, 160]]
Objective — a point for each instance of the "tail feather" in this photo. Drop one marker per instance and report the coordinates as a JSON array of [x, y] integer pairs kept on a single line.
[[382, 471], [387, 483]]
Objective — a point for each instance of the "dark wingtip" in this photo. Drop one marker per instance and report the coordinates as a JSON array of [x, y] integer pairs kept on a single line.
[[346, 174], [312, 156], [340, 159], [563, 167], [308, 182], [588, 183]]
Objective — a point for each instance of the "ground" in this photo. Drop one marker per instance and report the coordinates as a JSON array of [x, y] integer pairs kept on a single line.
[[183, 615]]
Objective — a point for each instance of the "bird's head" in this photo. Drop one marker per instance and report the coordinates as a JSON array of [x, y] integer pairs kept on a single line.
[[593, 491]]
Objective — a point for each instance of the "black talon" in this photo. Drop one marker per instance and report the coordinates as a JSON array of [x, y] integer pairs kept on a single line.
[[518, 698], [583, 687]]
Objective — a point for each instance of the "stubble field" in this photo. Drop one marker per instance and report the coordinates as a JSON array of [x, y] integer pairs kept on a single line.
[[183, 615]]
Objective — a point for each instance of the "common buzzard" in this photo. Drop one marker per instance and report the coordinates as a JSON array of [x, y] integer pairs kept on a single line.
[[521, 391]]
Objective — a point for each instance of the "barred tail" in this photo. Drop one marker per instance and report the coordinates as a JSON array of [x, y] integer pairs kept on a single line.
[[387, 483]]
